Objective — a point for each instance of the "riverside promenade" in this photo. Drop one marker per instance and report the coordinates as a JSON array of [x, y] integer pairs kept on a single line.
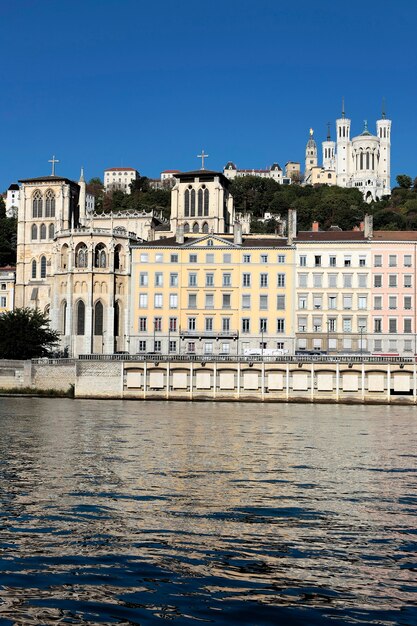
[[339, 379]]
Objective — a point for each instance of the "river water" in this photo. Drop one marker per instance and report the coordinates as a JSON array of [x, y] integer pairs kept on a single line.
[[207, 513]]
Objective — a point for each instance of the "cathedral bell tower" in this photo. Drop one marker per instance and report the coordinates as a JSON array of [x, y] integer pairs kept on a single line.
[[311, 155], [343, 149]]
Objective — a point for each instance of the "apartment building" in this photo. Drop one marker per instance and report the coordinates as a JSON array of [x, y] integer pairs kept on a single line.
[[7, 283]]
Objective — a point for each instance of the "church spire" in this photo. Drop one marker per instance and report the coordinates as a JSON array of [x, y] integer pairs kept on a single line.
[[343, 107], [82, 179], [384, 113], [328, 132]]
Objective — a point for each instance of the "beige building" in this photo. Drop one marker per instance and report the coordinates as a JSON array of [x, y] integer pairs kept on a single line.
[[7, 287], [119, 178]]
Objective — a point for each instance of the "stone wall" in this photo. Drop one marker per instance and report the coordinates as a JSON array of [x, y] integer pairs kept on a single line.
[[99, 379]]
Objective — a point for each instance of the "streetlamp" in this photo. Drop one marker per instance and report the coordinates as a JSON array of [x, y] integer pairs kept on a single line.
[[154, 331], [262, 339], [361, 329], [328, 336]]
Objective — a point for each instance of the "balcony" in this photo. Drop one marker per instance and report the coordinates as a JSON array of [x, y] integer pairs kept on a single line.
[[205, 334]]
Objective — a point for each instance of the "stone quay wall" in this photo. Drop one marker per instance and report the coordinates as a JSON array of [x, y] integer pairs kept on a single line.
[[384, 381]]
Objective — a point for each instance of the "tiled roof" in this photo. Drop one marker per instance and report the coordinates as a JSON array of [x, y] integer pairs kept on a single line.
[[55, 179], [248, 242], [120, 169], [171, 172], [395, 235], [331, 235]]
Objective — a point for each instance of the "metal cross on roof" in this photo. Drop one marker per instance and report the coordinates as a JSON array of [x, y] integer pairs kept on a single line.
[[202, 156], [53, 161]]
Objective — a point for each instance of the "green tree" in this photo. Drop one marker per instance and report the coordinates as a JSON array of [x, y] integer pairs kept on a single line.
[[8, 240], [2, 208], [25, 334], [404, 181]]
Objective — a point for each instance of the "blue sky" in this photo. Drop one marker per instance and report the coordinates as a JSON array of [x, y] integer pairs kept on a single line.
[[149, 84]]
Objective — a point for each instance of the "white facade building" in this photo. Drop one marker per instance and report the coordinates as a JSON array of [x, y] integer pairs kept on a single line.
[[275, 172], [119, 178], [12, 200]]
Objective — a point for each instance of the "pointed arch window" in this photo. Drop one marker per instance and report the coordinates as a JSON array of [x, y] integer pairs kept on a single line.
[[34, 269], [43, 266], [187, 203], [200, 203], [205, 228], [195, 228], [42, 231], [49, 203], [37, 204], [192, 211], [51, 231], [186, 227], [117, 319], [117, 257], [80, 318], [206, 202], [98, 318], [81, 256], [34, 232], [100, 257]]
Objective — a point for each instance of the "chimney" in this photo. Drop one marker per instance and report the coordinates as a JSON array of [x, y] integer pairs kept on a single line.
[[237, 233], [368, 230], [315, 227], [179, 237], [291, 226]]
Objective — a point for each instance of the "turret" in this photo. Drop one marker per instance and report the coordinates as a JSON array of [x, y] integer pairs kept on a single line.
[[383, 132], [82, 198]]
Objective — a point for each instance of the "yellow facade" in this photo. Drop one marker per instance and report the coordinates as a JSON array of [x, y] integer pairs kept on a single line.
[[210, 295]]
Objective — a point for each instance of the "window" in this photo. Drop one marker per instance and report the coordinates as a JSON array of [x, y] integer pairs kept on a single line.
[[392, 325], [225, 348], [407, 280], [143, 279], [159, 279], [172, 324], [332, 261], [174, 258], [246, 280], [192, 280], [246, 301], [362, 281], [226, 301], [264, 258], [3, 301], [407, 325], [347, 261], [191, 323], [226, 324], [378, 302], [227, 258], [157, 345], [302, 324], [193, 258], [80, 318], [144, 257], [158, 301], [210, 280], [317, 280], [143, 300], [157, 324], [192, 300], [378, 280], [173, 301], [263, 303], [347, 281], [280, 325], [280, 280], [408, 345], [317, 301], [281, 303], [49, 203], [392, 260], [173, 280], [332, 280], [98, 319], [302, 301], [392, 302], [51, 231], [43, 267], [263, 280], [303, 261], [208, 324], [378, 345], [362, 303], [42, 231], [37, 204], [347, 325], [143, 324], [210, 258], [332, 302], [245, 325], [317, 322], [246, 258], [407, 260], [281, 258], [317, 261], [392, 345], [172, 346], [377, 325], [347, 301], [302, 280], [263, 325], [392, 280], [378, 260], [208, 347], [407, 302], [34, 232], [159, 257], [227, 280], [3, 286], [209, 301], [362, 261], [331, 324]]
